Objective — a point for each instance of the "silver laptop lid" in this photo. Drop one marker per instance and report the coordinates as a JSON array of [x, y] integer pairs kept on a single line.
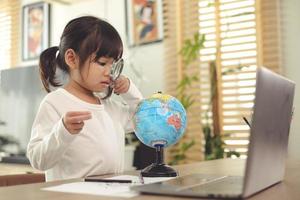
[[269, 131]]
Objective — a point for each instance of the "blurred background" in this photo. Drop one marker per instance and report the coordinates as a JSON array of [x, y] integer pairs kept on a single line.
[[204, 52]]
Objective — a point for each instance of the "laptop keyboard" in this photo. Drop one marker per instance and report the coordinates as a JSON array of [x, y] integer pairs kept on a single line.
[[198, 185], [189, 182], [229, 184]]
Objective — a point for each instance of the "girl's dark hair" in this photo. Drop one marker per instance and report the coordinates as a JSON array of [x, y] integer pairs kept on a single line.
[[85, 35]]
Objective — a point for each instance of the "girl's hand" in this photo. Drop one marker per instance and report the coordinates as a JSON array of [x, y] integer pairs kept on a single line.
[[121, 85], [74, 120]]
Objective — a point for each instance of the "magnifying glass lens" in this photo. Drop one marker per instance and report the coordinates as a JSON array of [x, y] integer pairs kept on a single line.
[[116, 69]]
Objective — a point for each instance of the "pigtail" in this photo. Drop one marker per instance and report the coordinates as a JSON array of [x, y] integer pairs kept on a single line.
[[47, 65]]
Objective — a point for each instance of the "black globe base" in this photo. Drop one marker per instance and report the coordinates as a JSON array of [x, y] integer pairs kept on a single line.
[[159, 168]]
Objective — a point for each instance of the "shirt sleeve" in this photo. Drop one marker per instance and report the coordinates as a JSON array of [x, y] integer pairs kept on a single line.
[[132, 98], [49, 138]]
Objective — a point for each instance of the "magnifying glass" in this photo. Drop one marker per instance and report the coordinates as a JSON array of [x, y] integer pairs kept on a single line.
[[115, 72], [116, 69]]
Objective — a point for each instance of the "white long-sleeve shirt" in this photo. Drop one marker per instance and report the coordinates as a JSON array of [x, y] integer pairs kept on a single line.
[[97, 149]]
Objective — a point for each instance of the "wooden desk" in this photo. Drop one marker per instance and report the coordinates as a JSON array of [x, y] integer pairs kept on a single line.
[[289, 189], [16, 174], [10, 169]]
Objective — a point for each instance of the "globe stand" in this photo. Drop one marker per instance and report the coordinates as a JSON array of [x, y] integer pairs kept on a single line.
[[159, 168]]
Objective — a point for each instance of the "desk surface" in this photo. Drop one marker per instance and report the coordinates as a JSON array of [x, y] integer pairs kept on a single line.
[[10, 169], [287, 190]]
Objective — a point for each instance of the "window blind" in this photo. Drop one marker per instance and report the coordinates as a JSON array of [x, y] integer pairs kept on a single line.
[[230, 30], [180, 23], [271, 33], [9, 33], [241, 35]]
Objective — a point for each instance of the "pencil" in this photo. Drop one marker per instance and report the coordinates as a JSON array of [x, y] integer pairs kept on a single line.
[[107, 180]]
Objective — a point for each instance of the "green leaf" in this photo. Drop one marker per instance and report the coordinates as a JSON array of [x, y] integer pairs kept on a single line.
[[186, 146], [190, 49]]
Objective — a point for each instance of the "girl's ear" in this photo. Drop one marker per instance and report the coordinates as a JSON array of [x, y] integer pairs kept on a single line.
[[71, 59]]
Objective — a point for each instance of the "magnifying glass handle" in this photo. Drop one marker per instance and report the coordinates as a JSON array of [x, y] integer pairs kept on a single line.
[[109, 92]]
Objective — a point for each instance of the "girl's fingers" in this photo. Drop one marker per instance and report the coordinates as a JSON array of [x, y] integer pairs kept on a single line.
[[118, 84], [118, 87], [121, 86], [121, 89], [77, 113], [78, 119], [121, 81], [74, 120], [77, 126]]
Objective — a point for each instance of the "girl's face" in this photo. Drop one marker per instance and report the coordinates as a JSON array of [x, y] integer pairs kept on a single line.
[[95, 74]]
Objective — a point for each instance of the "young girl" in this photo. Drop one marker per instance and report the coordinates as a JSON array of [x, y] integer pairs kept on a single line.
[[76, 133]]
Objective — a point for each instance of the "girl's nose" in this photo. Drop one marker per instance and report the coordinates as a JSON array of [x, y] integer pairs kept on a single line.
[[107, 70]]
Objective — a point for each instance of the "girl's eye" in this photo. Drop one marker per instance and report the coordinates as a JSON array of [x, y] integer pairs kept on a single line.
[[101, 63]]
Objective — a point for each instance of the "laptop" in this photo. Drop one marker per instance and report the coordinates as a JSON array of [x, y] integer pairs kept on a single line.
[[267, 149]]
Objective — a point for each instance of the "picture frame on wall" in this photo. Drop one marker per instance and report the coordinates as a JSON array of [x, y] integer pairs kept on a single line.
[[144, 21], [35, 30]]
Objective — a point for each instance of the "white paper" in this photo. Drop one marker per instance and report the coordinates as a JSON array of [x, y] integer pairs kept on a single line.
[[106, 189]]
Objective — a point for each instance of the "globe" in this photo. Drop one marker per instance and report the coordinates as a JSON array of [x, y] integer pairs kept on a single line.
[[160, 120]]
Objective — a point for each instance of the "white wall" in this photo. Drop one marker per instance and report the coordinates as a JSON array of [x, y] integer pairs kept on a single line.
[[147, 60], [292, 66]]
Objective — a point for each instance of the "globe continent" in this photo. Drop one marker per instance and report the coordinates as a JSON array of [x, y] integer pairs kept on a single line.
[[160, 120]]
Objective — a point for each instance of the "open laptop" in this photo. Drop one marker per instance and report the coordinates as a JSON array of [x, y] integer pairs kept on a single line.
[[267, 149]]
